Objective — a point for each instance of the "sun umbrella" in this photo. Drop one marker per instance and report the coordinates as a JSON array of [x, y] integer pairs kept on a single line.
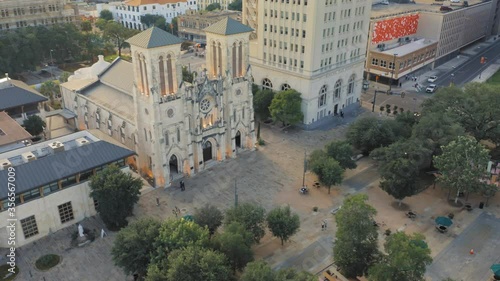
[[445, 221], [496, 269], [188, 217]]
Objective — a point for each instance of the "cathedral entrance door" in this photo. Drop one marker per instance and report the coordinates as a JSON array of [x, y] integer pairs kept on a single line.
[[335, 109], [237, 139], [174, 165], [207, 151]]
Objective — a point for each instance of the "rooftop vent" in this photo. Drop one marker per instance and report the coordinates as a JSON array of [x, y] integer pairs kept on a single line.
[[28, 156], [56, 146], [81, 142], [4, 164]]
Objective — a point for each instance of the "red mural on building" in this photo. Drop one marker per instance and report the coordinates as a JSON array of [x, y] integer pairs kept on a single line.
[[394, 28]]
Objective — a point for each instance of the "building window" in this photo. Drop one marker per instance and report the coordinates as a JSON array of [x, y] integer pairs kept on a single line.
[[285, 87], [29, 227], [338, 89], [66, 212], [266, 83], [350, 86], [374, 61], [383, 63], [178, 135], [322, 96], [96, 204], [161, 67]]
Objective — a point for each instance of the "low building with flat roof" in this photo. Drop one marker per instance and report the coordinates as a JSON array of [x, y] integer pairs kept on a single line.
[[12, 135], [49, 183], [191, 24]]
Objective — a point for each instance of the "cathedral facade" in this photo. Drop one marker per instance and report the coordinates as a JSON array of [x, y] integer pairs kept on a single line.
[[177, 128]]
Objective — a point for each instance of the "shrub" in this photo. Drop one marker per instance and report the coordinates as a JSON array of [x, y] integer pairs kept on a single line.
[[388, 106], [4, 271], [388, 232], [261, 142], [47, 262], [315, 209], [382, 108]]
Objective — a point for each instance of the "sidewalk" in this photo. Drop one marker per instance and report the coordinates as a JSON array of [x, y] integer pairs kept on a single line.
[[488, 72]]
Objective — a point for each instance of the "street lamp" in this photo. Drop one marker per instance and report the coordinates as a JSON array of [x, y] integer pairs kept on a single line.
[[392, 72], [50, 65]]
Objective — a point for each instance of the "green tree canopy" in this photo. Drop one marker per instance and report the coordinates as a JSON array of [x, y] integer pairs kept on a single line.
[[236, 5], [476, 108], [213, 7], [412, 149], [400, 178], [64, 77], [86, 26], [291, 274], [50, 89], [194, 263], [177, 234], [154, 20], [406, 259], [342, 152], [327, 169], [118, 34], [262, 99], [356, 246], [186, 75], [257, 271], [209, 216], [235, 244], [116, 192], [283, 223], [133, 246], [286, 107], [251, 216], [106, 15], [34, 125], [369, 133], [463, 165]]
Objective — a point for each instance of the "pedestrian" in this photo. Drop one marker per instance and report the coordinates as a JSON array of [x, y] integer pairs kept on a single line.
[[157, 201], [324, 221], [103, 233], [342, 114], [400, 84], [322, 226], [175, 213]]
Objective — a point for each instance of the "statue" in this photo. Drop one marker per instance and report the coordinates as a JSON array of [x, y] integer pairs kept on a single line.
[[80, 230]]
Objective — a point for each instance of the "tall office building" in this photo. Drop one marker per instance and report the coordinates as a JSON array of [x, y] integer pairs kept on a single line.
[[315, 47]]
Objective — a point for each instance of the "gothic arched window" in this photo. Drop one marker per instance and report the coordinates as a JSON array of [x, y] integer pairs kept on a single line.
[[338, 89], [322, 96], [267, 84], [350, 86]]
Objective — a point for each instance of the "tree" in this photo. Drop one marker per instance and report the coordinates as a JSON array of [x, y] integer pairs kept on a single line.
[[195, 263], [34, 125], [116, 192], [250, 216], [406, 259], [236, 5], [369, 133], [186, 75], [476, 108], [209, 216], [106, 15], [342, 152], [327, 169], [437, 129], [235, 245], [412, 149], [150, 20], [262, 99], [118, 34], [463, 165], [86, 26], [291, 274], [177, 234], [213, 6], [64, 77], [133, 246], [50, 89], [174, 26], [356, 246], [400, 178], [286, 107], [282, 223], [257, 271]]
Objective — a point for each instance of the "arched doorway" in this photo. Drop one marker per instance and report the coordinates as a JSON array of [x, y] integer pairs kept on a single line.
[[207, 151], [237, 139], [174, 165]]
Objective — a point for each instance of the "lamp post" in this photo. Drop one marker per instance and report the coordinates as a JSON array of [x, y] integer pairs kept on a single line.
[[50, 65], [392, 72], [305, 168]]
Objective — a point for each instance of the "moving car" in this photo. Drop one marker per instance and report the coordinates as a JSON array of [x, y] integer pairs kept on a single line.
[[431, 88], [455, 1], [432, 79]]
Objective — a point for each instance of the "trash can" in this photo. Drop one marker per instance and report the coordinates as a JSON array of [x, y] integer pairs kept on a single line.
[[481, 205]]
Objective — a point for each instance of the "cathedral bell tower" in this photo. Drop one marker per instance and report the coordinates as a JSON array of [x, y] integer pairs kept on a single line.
[[154, 58]]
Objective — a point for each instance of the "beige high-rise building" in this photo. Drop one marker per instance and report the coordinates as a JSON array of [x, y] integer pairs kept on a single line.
[[315, 47], [20, 13]]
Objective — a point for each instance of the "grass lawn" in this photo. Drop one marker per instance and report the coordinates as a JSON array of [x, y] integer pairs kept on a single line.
[[4, 271], [495, 79]]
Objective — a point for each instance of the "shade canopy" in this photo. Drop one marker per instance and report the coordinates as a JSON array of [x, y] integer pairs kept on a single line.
[[445, 221], [496, 269]]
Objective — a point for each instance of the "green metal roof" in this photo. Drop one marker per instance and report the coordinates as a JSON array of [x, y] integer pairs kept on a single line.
[[228, 26], [154, 37]]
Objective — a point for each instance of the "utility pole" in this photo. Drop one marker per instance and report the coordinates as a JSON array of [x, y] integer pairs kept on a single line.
[[305, 168], [235, 195]]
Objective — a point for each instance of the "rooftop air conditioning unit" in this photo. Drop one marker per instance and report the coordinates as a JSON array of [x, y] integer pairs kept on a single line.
[[81, 142], [56, 146], [28, 157], [4, 164]]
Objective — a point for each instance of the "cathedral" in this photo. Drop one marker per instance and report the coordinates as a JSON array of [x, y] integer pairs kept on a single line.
[[177, 128]]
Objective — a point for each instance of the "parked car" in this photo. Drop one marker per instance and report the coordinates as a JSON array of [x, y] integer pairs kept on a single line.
[[431, 88], [455, 1], [432, 79], [445, 9]]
